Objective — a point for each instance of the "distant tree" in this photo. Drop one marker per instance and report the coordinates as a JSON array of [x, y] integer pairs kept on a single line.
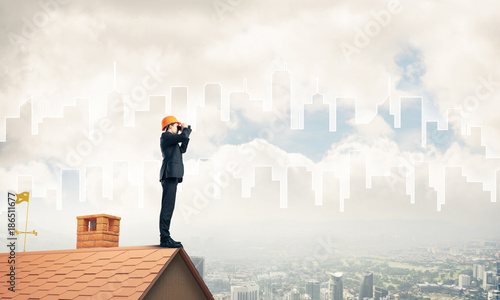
[[404, 286], [473, 282]]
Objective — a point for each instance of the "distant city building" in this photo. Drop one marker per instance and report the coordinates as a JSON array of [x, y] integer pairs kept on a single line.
[[313, 289], [336, 286], [478, 271], [440, 288], [246, 291], [463, 281], [380, 293], [494, 295], [489, 280], [324, 293], [474, 294], [199, 263], [294, 295], [366, 286], [267, 292], [221, 297]]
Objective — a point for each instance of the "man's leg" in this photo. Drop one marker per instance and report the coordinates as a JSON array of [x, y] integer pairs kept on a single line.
[[167, 206]]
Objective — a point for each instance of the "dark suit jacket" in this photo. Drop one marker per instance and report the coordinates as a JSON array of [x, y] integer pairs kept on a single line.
[[172, 165]]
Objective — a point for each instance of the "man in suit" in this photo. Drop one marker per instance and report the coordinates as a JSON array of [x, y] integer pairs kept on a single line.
[[172, 170]]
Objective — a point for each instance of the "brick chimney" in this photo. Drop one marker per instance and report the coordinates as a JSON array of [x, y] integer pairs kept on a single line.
[[100, 230]]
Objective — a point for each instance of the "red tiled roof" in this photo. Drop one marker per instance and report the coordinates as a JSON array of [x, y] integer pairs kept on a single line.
[[101, 273]]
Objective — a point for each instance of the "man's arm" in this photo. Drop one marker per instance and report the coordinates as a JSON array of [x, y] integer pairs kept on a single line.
[[186, 131], [168, 139]]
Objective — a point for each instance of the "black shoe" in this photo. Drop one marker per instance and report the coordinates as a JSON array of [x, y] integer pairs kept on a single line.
[[170, 244], [172, 240]]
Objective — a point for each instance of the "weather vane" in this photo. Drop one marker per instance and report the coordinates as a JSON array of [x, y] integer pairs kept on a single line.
[[24, 197]]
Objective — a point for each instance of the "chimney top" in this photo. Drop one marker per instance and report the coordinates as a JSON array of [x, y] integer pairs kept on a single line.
[[100, 230]]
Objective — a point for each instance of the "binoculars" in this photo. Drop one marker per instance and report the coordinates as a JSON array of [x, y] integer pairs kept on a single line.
[[179, 127]]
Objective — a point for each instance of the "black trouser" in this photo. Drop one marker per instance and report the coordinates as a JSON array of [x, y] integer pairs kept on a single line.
[[167, 206]]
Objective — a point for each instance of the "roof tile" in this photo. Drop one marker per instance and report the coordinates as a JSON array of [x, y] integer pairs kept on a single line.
[[125, 291], [48, 286], [140, 273], [149, 265], [136, 295], [28, 278], [66, 282], [72, 263], [98, 263], [85, 278], [89, 259], [140, 253], [20, 274], [112, 265], [22, 258], [90, 291], [98, 282], [56, 278], [74, 274], [52, 268], [118, 278], [58, 290], [73, 256], [55, 257], [110, 287], [51, 297], [143, 286], [159, 254], [27, 290], [150, 277], [131, 282], [92, 270], [64, 270], [105, 295], [31, 271], [46, 275], [106, 254], [36, 283], [132, 262], [125, 270], [38, 294], [81, 267], [69, 295], [105, 274], [78, 286]]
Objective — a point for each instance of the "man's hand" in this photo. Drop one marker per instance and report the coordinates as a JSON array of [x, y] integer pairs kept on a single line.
[[184, 125]]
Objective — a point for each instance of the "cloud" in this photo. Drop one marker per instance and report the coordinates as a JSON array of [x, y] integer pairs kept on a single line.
[[444, 52], [377, 128]]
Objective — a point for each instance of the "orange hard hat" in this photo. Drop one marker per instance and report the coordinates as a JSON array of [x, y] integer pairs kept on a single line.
[[168, 120]]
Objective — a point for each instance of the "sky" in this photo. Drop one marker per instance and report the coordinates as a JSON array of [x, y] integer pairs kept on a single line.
[[319, 118]]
